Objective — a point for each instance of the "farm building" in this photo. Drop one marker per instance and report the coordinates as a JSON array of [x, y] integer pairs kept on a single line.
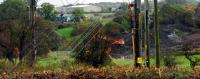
[[85, 8]]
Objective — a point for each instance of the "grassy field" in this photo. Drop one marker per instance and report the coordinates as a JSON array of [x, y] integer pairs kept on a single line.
[[182, 62], [63, 61], [65, 32], [56, 59]]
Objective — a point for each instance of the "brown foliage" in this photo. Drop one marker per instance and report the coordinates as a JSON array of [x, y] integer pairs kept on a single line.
[[108, 73]]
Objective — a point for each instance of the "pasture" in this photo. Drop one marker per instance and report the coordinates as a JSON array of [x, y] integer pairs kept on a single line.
[[65, 32], [56, 59]]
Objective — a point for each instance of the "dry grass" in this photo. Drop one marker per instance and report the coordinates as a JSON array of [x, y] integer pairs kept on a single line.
[[111, 72]]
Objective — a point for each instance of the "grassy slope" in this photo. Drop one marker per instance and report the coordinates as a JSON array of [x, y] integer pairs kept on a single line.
[[105, 21], [55, 60], [65, 32], [62, 60]]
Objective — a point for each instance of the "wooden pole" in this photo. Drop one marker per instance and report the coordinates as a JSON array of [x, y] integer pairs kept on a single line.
[[147, 33], [157, 33], [131, 15], [137, 34], [32, 24]]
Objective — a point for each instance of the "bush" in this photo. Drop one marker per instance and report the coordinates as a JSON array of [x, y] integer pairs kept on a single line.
[[47, 38], [84, 72], [79, 29], [169, 61], [113, 29], [93, 52], [60, 27], [170, 13], [129, 73]]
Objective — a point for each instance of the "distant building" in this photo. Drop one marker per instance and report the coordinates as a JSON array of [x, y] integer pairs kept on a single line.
[[85, 8]]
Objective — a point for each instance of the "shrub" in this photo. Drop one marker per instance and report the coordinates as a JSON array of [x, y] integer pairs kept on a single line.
[[169, 61], [79, 29], [93, 52], [113, 29], [85, 72], [129, 73]]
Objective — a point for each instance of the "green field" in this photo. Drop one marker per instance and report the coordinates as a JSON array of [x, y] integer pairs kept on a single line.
[[182, 62], [65, 32], [63, 60], [56, 59]]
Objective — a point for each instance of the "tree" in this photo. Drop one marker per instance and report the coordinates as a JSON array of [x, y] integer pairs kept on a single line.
[[13, 12], [18, 32], [47, 11], [175, 13], [171, 13], [113, 29], [122, 10], [78, 14], [47, 39], [121, 16], [12, 9], [123, 20]]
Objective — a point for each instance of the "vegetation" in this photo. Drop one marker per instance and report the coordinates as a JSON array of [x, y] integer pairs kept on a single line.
[[80, 28], [12, 9], [65, 32], [78, 15], [47, 11], [170, 61], [94, 50], [60, 64], [193, 60], [176, 1], [176, 13], [18, 34], [83, 48], [113, 29]]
